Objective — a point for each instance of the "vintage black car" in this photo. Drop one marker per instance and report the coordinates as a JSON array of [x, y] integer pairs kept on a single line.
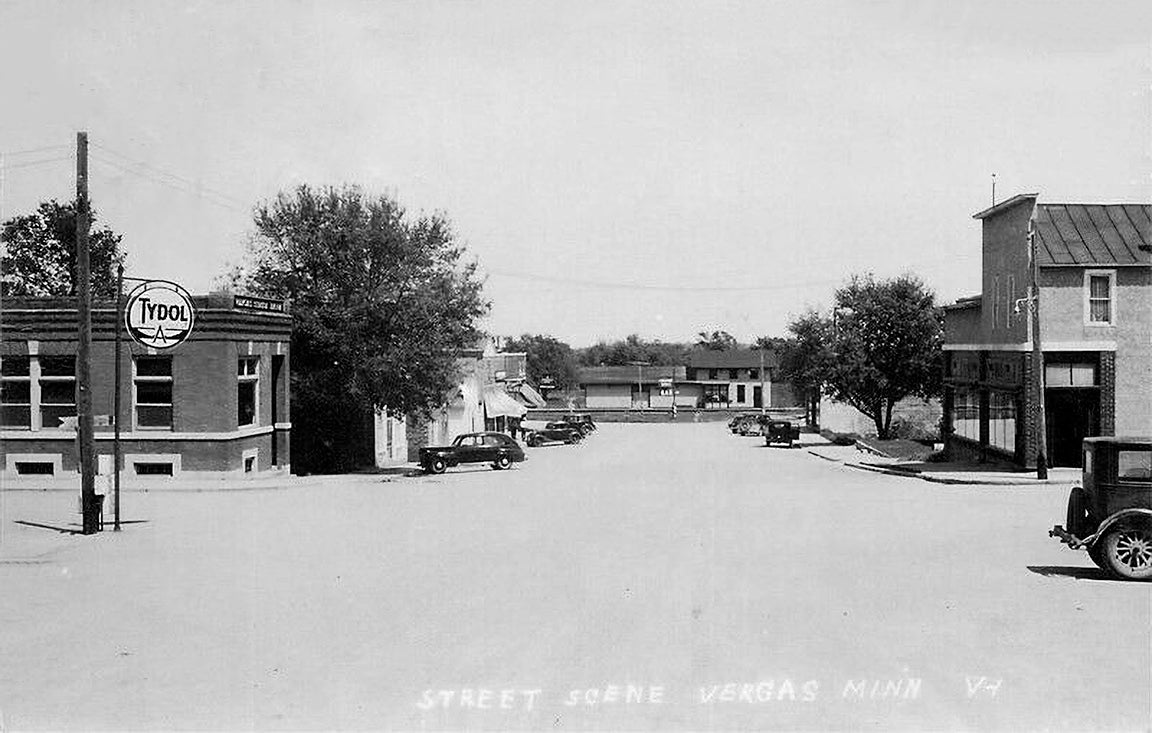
[[496, 448], [780, 431], [1110, 516], [554, 432], [582, 421]]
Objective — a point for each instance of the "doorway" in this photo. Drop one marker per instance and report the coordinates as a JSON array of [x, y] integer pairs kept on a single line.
[[1072, 415]]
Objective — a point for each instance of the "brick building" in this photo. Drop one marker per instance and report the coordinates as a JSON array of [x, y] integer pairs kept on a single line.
[[1095, 295], [217, 404]]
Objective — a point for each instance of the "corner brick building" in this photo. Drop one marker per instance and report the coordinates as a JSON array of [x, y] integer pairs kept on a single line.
[[215, 405], [1095, 294]]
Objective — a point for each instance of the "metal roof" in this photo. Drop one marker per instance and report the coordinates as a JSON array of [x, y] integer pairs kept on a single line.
[[1094, 234]]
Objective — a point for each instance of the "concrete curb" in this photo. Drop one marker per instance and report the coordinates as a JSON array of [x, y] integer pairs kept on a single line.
[[953, 481], [72, 483]]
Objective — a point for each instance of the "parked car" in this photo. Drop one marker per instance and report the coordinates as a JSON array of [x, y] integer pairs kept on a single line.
[[553, 432], [1110, 515], [582, 421], [749, 424], [780, 431], [496, 448]]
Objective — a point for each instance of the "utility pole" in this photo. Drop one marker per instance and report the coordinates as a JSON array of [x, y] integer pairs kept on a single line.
[[1037, 352], [116, 397], [763, 397], [91, 512]]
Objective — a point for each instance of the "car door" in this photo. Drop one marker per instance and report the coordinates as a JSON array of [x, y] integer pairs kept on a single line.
[[491, 449], [466, 451]]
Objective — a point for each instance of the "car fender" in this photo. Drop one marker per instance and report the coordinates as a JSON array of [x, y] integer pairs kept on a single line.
[[1141, 515]]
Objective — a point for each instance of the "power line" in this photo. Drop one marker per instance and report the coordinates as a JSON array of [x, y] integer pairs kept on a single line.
[[30, 163], [203, 194], [29, 151], [169, 174]]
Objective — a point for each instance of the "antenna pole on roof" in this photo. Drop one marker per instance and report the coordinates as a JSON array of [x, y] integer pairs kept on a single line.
[[993, 189]]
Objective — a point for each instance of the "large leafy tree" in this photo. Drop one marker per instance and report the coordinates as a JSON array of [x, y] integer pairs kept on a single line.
[[633, 349], [548, 358], [41, 253], [381, 304], [887, 338], [806, 357]]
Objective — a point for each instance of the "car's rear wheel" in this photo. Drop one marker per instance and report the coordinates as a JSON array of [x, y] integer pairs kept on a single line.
[[533, 441], [438, 465], [502, 462], [1127, 552]]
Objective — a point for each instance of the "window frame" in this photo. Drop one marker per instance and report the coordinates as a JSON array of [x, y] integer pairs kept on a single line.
[[33, 388], [1088, 299], [248, 377], [43, 380], [168, 379]]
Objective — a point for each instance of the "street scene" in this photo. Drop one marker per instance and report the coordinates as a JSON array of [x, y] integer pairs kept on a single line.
[[659, 365], [671, 577]]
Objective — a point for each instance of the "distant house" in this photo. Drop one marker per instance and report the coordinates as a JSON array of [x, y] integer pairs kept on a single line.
[[740, 378], [737, 379], [1095, 283]]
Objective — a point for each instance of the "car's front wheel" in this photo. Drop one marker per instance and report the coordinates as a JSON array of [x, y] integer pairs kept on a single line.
[[437, 465], [502, 463], [1127, 552]]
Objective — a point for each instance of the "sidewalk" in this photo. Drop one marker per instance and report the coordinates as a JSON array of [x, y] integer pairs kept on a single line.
[[965, 474]]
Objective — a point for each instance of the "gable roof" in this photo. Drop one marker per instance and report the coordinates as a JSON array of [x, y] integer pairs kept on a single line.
[[1094, 234], [731, 359]]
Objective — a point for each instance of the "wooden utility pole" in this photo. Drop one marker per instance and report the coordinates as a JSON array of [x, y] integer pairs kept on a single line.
[[89, 507], [116, 396], [1037, 353]]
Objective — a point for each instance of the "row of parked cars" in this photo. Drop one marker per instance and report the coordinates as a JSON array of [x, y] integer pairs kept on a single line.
[[502, 450], [773, 431]]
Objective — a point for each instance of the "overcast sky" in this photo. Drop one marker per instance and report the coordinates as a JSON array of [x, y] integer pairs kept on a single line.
[[656, 168]]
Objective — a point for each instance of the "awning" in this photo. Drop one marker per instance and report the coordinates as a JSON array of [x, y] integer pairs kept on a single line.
[[531, 396], [497, 403]]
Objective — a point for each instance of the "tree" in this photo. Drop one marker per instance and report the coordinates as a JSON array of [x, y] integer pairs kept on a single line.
[[41, 253], [806, 357], [381, 305], [547, 358], [887, 339], [633, 349], [715, 341]]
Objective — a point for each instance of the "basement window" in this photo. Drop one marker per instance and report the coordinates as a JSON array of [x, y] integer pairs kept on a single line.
[[152, 469], [35, 468]]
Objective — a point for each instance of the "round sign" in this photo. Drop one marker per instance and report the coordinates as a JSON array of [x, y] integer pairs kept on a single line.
[[159, 314]]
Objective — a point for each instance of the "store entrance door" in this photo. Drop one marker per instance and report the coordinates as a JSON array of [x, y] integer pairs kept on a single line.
[[1073, 415]]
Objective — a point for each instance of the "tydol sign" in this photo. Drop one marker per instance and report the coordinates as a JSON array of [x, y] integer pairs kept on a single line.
[[159, 314]]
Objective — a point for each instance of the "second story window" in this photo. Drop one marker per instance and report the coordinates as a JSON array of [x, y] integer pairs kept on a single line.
[[152, 392], [247, 389], [1099, 298]]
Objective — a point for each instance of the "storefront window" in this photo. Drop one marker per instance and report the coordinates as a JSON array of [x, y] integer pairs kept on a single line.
[[966, 414], [1002, 421]]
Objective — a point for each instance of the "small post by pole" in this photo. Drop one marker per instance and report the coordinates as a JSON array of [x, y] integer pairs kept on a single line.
[[118, 325], [84, 427]]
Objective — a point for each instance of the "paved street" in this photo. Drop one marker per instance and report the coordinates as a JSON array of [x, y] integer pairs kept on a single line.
[[657, 576]]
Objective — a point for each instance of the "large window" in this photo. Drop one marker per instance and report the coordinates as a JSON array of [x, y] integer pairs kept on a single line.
[[247, 389], [1002, 421], [1134, 465], [152, 392], [1063, 374], [739, 392], [716, 393], [16, 392], [966, 414], [1099, 307], [57, 389]]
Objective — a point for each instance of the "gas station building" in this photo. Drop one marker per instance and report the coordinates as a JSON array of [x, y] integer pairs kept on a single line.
[[216, 405]]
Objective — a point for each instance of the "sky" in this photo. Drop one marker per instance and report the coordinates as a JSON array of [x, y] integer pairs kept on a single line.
[[658, 168]]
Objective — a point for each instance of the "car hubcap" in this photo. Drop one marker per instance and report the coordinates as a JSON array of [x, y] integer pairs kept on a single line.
[[1134, 549]]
